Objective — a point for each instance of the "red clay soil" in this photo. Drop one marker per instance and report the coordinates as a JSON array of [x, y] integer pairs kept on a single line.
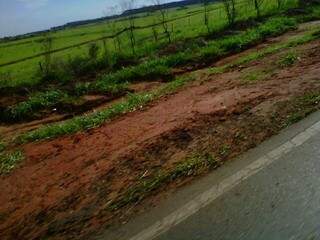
[[64, 186]]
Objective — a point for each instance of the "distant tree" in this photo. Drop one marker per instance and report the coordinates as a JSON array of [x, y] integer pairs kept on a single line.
[[163, 18], [230, 8], [205, 4], [125, 6]]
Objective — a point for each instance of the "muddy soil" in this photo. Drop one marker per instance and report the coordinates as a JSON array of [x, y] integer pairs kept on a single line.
[[64, 187]]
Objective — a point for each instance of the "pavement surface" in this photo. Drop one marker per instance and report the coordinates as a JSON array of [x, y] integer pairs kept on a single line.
[[282, 201], [272, 192]]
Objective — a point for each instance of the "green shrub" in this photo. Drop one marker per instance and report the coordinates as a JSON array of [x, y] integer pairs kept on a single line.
[[104, 87], [58, 72], [276, 25], [236, 43], [79, 66]]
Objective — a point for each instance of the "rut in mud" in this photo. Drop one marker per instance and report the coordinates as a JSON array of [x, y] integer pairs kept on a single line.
[[65, 186]]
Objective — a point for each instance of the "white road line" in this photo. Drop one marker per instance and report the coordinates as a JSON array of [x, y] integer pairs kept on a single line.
[[219, 189]]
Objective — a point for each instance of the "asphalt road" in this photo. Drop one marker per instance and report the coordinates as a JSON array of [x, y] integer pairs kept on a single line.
[[282, 201], [272, 192]]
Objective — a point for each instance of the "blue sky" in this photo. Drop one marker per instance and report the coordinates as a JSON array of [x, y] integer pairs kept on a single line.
[[23, 16]]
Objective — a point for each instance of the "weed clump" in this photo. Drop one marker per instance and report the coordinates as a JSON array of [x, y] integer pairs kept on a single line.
[[8, 161], [289, 59]]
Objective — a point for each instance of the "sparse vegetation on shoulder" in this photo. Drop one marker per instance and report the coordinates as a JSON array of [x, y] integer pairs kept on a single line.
[[304, 105], [289, 59], [193, 165]]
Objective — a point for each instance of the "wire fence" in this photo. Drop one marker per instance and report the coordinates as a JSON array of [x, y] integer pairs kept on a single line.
[[119, 33]]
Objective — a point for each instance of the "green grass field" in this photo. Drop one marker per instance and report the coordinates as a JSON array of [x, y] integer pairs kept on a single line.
[[190, 26]]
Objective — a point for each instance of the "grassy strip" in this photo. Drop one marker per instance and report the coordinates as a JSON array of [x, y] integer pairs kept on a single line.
[[133, 102], [148, 70], [191, 166], [26, 110], [288, 60], [107, 88], [272, 27], [8, 161], [270, 50], [49, 99]]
